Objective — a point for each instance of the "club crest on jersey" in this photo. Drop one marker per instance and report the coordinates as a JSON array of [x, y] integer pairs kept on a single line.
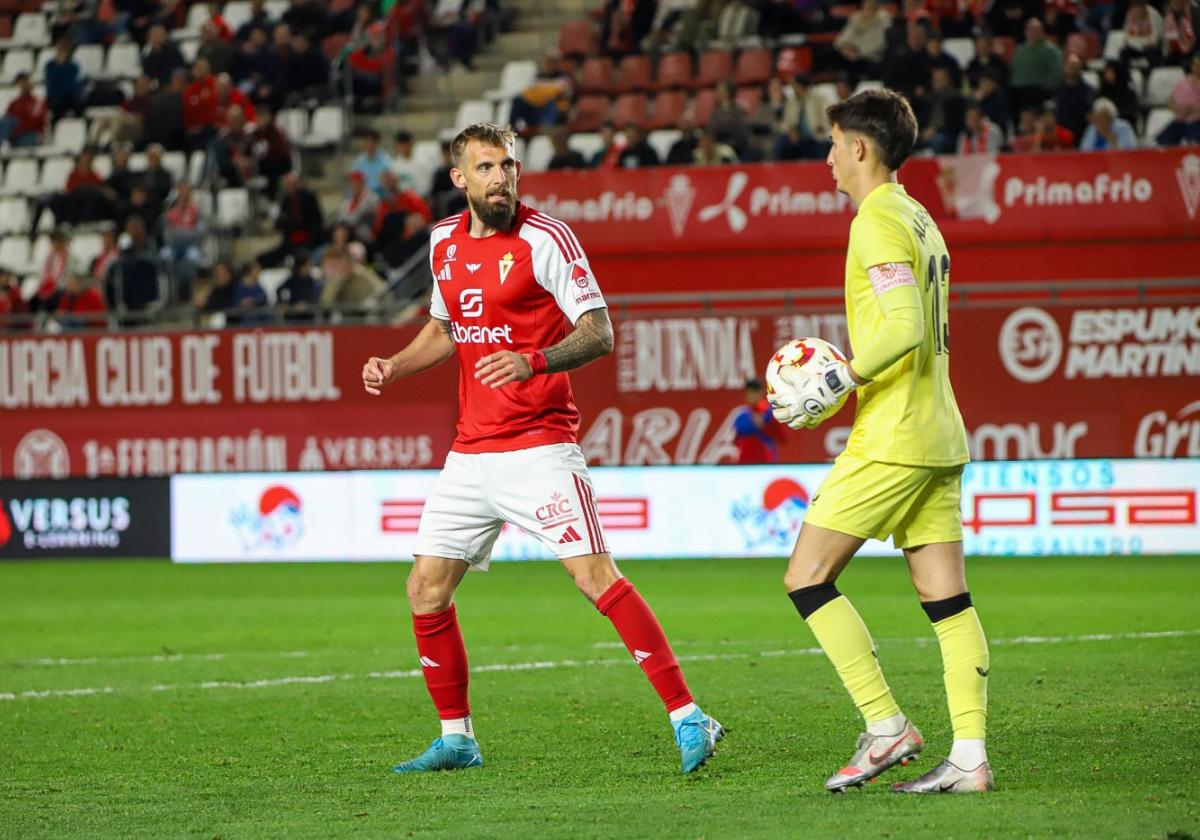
[[506, 264]]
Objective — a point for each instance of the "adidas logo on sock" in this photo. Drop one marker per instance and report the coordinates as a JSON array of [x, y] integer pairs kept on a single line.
[[429, 663], [569, 536], [641, 655]]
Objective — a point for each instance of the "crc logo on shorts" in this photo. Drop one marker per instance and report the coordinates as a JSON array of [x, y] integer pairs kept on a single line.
[[470, 302], [775, 519], [1031, 344], [556, 512]]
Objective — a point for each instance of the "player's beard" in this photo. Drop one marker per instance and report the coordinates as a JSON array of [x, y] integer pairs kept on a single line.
[[495, 216]]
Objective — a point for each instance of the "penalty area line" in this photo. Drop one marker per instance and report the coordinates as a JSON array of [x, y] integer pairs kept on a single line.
[[544, 665]]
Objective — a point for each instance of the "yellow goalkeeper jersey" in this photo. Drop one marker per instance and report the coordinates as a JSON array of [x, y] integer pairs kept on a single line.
[[907, 413]]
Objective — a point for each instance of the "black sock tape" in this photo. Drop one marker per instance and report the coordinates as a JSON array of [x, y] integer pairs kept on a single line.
[[809, 599], [947, 607]]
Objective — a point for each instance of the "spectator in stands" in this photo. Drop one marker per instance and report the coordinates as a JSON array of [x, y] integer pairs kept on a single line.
[[1117, 87], [1059, 17], [372, 161], [396, 203], [940, 114], [756, 432], [133, 281], [407, 167], [637, 151], [1037, 67], [235, 165], [406, 22], [937, 57], [863, 40], [200, 107], [812, 128], [446, 197], [307, 74], [254, 64], [298, 294], [164, 122], [611, 144], [729, 121], [1181, 22], [1185, 106], [53, 277], [564, 156], [347, 282], [121, 179], [216, 298], [710, 150], [1074, 100], [228, 96], [183, 234], [85, 197], [1107, 130], [775, 113], [978, 136], [260, 19], [1008, 18], [214, 49], [1047, 134], [992, 97], [306, 16], [543, 102], [80, 305], [145, 207], [298, 220], [248, 294], [11, 302], [270, 148], [64, 82], [107, 256], [161, 57], [25, 118], [359, 208], [625, 24], [452, 31], [367, 65], [986, 61], [157, 180], [125, 124], [683, 150], [908, 68], [1143, 35]]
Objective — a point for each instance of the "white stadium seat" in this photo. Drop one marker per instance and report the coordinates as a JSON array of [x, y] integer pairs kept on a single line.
[[1160, 84], [14, 215], [54, 174], [39, 63], [514, 78], [587, 143], [963, 50], [470, 111], [70, 135], [538, 153], [328, 127], [124, 61], [1113, 44], [30, 30], [90, 58], [189, 47], [20, 176], [271, 279], [15, 62], [14, 253], [176, 164], [37, 254], [428, 153], [233, 207], [84, 248], [662, 140], [294, 122], [1156, 121], [236, 12]]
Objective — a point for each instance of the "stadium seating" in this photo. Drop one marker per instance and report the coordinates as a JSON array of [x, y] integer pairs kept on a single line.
[[587, 144], [233, 208], [123, 61], [669, 108], [715, 66], [963, 50], [674, 71], [793, 60], [327, 128], [749, 98], [633, 74], [20, 176], [591, 112], [515, 76], [1159, 85], [1156, 121], [16, 62], [538, 153], [54, 175], [30, 30], [754, 67], [575, 39], [1086, 45], [596, 75], [703, 105], [630, 108], [662, 140]]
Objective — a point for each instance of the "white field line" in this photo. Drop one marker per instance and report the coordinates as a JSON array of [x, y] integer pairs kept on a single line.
[[563, 663]]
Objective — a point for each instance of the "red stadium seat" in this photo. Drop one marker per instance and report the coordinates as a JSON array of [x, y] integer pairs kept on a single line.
[[703, 104], [630, 108], [715, 66], [669, 107], [596, 76], [575, 38], [332, 45], [1086, 45], [750, 98], [674, 71], [591, 112], [754, 67], [1004, 46], [634, 74], [792, 61]]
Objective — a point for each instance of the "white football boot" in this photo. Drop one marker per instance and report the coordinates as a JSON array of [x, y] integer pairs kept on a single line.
[[950, 778], [874, 754]]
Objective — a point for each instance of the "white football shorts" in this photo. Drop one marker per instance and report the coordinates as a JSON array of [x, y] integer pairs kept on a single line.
[[544, 490]]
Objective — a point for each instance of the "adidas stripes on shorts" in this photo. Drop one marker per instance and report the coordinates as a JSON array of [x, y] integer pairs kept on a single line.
[[544, 490]]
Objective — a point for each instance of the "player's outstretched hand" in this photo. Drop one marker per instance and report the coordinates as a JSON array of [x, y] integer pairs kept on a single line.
[[377, 373], [501, 368]]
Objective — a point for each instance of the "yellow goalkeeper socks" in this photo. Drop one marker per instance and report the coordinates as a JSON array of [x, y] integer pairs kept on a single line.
[[965, 663], [842, 635]]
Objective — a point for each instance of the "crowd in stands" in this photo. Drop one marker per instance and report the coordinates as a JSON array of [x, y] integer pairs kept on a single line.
[[750, 81]]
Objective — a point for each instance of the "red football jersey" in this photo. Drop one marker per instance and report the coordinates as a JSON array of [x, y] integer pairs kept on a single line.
[[520, 291]]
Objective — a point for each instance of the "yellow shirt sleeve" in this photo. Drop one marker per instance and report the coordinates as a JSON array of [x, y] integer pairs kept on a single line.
[[876, 239]]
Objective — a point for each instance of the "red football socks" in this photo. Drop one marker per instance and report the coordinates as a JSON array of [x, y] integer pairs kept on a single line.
[[444, 661], [644, 637]]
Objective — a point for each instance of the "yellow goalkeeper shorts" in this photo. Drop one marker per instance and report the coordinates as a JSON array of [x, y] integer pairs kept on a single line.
[[872, 500]]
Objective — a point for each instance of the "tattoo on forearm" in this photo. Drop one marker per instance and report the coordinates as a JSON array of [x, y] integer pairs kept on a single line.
[[445, 325], [591, 339]]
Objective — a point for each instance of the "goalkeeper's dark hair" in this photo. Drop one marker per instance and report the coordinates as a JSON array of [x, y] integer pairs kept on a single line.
[[882, 116], [489, 133]]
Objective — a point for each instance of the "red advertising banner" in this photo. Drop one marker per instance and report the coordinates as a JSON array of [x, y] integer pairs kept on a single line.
[[1032, 382], [785, 224]]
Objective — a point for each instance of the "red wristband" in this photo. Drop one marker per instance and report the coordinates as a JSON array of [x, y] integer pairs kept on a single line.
[[537, 362]]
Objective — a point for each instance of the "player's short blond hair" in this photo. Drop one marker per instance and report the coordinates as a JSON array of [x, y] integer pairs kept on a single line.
[[486, 132]]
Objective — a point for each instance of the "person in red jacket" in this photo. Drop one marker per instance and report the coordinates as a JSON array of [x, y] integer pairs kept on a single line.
[[25, 120], [368, 65], [757, 434], [227, 96], [200, 106], [80, 304]]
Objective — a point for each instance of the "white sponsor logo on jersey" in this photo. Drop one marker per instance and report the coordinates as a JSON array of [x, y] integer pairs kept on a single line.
[[444, 274], [471, 302], [473, 267], [480, 335]]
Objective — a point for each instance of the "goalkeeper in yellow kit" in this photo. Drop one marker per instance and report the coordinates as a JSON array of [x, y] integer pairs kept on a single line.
[[901, 472]]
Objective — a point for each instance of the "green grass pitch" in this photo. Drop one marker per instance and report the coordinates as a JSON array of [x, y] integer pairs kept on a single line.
[[141, 699]]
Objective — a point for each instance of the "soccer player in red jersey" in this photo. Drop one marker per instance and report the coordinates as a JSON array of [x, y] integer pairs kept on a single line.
[[515, 299]]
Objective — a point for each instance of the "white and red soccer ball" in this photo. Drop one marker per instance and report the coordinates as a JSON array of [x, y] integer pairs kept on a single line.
[[795, 364]]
